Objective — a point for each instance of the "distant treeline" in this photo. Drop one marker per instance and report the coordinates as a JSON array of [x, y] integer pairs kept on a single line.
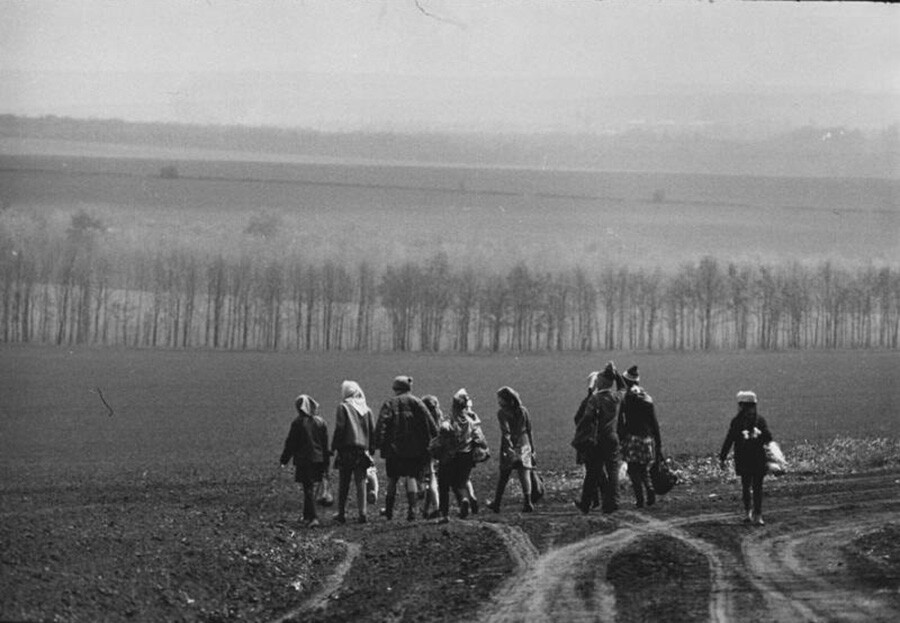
[[811, 151], [71, 291]]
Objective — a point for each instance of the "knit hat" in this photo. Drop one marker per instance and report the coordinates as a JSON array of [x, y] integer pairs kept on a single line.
[[746, 396], [631, 374], [402, 383], [306, 404]]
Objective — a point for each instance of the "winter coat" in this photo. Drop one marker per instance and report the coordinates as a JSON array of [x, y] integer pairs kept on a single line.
[[353, 429], [516, 445], [405, 427], [306, 443], [638, 416], [749, 433], [598, 423]]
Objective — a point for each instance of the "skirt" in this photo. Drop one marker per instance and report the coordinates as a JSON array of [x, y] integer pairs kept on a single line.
[[398, 467], [639, 450]]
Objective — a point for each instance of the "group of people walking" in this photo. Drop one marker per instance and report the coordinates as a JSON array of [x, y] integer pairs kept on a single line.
[[431, 454], [426, 452]]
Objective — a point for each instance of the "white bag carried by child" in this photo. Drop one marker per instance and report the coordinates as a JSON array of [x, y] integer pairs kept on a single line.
[[776, 464]]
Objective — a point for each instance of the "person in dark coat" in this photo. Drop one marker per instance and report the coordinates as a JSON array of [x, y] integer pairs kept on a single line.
[[403, 432], [639, 434], [307, 446], [579, 419], [597, 439], [516, 447], [749, 433], [354, 443]]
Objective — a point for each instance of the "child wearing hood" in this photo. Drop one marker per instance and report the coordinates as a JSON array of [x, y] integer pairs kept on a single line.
[[307, 446], [749, 433], [354, 443]]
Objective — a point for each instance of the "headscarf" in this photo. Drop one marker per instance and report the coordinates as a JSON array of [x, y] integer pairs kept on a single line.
[[510, 396], [352, 395], [306, 405], [592, 380]]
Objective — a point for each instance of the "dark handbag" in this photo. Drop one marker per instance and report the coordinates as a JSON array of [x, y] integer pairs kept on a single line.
[[537, 486], [662, 477]]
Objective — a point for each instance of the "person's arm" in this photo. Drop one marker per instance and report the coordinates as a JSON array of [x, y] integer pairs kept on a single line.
[[340, 423], [384, 428], [528, 429], [654, 423], [290, 444], [370, 432], [505, 436], [726, 446]]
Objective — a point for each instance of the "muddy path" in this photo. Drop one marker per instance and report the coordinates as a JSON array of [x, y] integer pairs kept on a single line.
[[790, 564]]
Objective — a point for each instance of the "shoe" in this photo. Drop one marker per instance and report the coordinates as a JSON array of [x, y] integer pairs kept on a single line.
[[749, 517], [340, 518], [494, 507], [444, 519], [410, 515], [581, 507], [759, 521], [528, 508], [464, 508], [312, 523], [610, 509], [474, 506], [434, 514], [651, 498], [362, 519]]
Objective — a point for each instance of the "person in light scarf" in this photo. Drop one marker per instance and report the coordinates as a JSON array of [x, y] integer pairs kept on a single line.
[[354, 443]]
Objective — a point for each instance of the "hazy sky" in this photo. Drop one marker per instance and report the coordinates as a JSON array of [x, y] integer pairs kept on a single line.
[[372, 61]]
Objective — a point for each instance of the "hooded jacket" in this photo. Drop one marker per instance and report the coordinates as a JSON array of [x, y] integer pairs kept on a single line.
[[307, 440]]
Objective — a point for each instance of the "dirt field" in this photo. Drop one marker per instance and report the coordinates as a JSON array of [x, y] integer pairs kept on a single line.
[[220, 551], [172, 507]]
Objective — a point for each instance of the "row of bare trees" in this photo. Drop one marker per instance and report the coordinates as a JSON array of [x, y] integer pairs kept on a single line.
[[70, 292]]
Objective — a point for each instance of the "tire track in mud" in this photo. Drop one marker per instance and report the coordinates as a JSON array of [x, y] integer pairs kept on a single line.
[[796, 589], [332, 583], [549, 588]]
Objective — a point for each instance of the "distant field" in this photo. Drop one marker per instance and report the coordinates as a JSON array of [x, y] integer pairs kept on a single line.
[[394, 212], [216, 414]]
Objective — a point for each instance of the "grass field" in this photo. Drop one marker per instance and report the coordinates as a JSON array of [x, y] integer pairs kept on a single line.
[[224, 415], [392, 213]]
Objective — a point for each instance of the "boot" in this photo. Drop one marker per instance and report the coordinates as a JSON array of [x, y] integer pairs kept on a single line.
[[411, 498], [638, 489], [389, 506], [651, 495]]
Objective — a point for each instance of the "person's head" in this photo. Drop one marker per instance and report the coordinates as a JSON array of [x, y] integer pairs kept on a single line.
[[606, 377], [747, 402], [508, 397], [631, 376], [461, 401], [351, 389], [402, 384], [434, 406], [305, 405]]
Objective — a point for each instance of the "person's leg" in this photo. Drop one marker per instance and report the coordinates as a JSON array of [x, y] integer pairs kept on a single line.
[[412, 496], [591, 480], [473, 501], [344, 475], [309, 498], [390, 497], [525, 481], [359, 478], [637, 484], [648, 485], [746, 482], [757, 485], [464, 466], [443, 478], [502, 479]]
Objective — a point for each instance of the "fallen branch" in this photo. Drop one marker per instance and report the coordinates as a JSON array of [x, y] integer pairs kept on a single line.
[[105, 404]]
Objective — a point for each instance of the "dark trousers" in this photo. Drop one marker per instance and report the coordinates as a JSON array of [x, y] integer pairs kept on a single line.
[[454, 474], [752, 482], [639, 475], [601, 469], [309, 497]]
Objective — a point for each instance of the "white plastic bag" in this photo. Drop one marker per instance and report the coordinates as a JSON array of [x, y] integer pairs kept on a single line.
[[776, 464]]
